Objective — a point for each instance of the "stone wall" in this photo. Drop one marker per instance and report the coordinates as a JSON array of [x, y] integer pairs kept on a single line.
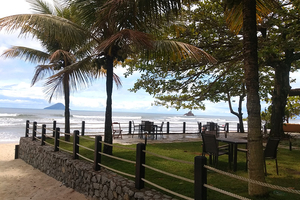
[[79, 174]]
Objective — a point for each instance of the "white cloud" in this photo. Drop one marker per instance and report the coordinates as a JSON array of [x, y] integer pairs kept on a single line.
[[22, 90], [13, 7], [18, 101]]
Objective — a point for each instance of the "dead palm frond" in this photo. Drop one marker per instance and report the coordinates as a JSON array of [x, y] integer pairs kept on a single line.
[[126, 38]]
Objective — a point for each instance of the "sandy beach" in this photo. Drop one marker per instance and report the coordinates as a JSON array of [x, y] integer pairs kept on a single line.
[[20, 181]]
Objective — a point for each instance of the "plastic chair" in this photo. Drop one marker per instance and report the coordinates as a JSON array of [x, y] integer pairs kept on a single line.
[[135, 128], [160, 129], [211, 147], [150, 129], [117, 131], [270, 152]]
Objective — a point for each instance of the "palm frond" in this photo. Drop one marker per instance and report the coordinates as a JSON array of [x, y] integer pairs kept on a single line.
[[60, 28], [40, 6], [28, 54], [234, 13], [139, 9], [41, 71], [176, 51], [79, 75], [60, 54], [125, 38], [54, 86]]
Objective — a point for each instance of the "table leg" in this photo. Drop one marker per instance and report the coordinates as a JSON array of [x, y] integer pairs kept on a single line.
[[230, 159], [235, 157]]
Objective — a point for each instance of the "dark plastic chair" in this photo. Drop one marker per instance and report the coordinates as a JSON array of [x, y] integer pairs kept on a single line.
[[270, 152], [160, 129], [211, 147], [135, 128]]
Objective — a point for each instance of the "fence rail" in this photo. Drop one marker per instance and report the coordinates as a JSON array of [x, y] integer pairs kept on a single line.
[[200, 167]]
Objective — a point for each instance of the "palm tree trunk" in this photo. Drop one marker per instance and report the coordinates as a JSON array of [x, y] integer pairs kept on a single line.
[[108, 113], [255, 148], [67, 107]]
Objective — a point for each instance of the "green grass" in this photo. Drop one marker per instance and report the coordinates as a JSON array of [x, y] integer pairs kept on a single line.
[[288, 162]]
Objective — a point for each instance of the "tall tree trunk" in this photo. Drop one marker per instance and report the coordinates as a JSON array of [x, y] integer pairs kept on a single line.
[[255, 148], [108, 113], [240, 114], [280, 93], [67, 107]]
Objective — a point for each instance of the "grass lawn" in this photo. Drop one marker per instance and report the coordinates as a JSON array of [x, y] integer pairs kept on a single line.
[[288, 163]]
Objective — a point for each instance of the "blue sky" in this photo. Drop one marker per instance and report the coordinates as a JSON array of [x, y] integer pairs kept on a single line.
[[16, 75]]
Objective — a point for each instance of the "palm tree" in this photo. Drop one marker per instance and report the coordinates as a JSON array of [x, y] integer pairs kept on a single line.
[[255, 148], [58, 59], [245, 14], [123, 29]]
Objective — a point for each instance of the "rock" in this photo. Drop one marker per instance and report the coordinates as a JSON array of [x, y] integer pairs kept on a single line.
[[189, 114], [57, 106]]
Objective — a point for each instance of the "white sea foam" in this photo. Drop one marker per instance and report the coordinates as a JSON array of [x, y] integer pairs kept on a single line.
[[8, 114]]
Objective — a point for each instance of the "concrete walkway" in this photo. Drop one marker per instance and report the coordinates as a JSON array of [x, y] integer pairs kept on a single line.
[[170, 138]]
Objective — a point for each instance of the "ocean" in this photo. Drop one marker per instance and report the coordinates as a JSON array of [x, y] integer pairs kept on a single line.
[[13, 120]]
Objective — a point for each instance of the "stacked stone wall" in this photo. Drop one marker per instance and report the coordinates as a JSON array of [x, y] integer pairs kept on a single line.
[[79, 174]]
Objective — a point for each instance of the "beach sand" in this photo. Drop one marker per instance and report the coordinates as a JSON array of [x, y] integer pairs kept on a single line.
[[20, 181]]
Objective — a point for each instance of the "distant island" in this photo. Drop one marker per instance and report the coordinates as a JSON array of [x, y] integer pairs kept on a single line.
[[189, 114], [57, 106]]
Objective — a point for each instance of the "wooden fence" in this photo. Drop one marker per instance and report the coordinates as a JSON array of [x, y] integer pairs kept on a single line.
[[200, 167]]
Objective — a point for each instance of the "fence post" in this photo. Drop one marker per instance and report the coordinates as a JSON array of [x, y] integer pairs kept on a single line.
[[27, 128], [34, 131], [54, 128], [75, 144], [17, 151], [200, 178], [168, 127], [199, 127], [129, 129], [184, 126], [43, 134], [139, 168], [97, 155], [227, 127], [56, 141], [82, 127]]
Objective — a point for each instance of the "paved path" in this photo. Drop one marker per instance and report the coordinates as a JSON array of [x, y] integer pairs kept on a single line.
[[170, 138]]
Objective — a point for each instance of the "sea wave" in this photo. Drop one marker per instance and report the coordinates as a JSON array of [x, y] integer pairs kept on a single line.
[[9, 114]]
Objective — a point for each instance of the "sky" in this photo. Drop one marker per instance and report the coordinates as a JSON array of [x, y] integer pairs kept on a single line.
[[16, 90]]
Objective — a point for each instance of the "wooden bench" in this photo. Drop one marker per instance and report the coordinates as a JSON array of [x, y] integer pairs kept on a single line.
[[291, 127]]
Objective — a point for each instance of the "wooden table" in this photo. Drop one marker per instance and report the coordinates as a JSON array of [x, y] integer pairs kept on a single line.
[[149, 127], [233, 142]]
